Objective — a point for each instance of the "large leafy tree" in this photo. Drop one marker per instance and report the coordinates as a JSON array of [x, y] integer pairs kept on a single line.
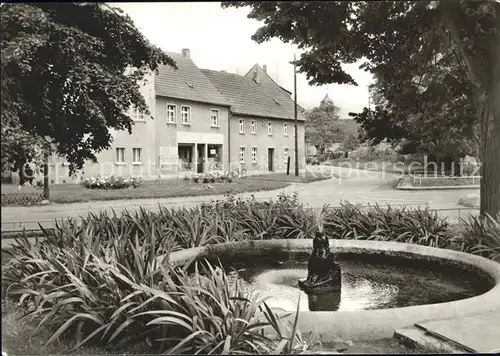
[[322, 127], [402, 43], [64, 80]]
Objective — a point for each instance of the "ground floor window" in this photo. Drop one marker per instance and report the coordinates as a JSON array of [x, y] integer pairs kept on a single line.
[[120, 155], [285, 155], [136, 155], [254, 154], [242, 154]]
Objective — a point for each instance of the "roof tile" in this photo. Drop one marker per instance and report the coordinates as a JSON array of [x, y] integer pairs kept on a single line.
[[187, 82], [248, 97]]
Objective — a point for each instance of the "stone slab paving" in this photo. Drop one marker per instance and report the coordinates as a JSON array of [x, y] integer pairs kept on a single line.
[[414, 337], [480, 333]]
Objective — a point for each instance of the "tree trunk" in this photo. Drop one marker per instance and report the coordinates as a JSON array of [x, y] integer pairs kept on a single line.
[[490, 155], [484, 73]]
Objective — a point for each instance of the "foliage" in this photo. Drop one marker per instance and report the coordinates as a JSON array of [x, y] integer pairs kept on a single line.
[[212, 177], [435, 62], [329, 156], [322, 127], [64, 76], [481, 236], [107, 277], [351, 142], [112, 182], [23, 199], [93, 296], [418, 226]]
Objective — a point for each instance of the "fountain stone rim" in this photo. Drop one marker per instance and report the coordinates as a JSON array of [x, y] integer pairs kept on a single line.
[[369, 324]]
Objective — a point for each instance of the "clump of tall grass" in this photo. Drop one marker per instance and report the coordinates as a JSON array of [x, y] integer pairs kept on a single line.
[[104, 296], [409, 225], [104, 278], [481, 235]]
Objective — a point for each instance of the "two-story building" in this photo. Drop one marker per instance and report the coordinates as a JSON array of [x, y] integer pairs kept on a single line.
[[261, 125], [201, 120]]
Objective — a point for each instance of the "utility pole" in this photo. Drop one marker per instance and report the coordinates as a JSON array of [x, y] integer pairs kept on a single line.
[[46, 190], [295, 112]]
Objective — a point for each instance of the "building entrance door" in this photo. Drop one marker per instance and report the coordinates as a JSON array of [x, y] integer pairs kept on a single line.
[[270, 159]]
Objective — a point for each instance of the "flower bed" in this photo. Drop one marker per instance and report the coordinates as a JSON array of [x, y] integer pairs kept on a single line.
[[112, 182], [212, 177]]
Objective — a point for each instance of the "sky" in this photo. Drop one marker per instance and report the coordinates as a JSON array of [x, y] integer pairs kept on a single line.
[[220, 39]]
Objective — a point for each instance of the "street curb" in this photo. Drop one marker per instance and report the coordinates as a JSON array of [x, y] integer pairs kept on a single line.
[[405, 186]]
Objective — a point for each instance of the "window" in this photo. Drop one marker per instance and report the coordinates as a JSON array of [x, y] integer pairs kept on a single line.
[[214, 118], [294, 130], [136, 114], [242, 154], [242, 126], [120, 155], [185, 115], [270, 128], [254, 126], [171, 113], [285, 155], [254, 154], [136, 155], [285, 129]]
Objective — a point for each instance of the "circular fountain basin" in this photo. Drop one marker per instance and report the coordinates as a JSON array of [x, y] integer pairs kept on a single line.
[[385, 285]]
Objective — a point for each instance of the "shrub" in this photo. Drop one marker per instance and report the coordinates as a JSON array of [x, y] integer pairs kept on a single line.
[[196, 178], [112, 182], [469, 201], [337, 155], [419, 226], [481, 235], [88, 291]]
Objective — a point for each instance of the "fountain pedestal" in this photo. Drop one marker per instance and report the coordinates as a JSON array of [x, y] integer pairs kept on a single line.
[[323, 272]]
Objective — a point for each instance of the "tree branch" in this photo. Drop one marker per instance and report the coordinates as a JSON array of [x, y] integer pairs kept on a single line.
[[455, 18]]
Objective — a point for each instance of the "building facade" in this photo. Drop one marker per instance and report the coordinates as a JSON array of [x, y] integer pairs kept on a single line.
[[198, 124], [261, 131]]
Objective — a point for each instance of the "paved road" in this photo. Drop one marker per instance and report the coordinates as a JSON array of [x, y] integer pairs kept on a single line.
[[346, 184]]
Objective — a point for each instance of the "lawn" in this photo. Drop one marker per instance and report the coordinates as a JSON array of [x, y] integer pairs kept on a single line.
[[74, 193]]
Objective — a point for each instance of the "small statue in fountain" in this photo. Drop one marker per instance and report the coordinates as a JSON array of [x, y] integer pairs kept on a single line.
[[323, 271]]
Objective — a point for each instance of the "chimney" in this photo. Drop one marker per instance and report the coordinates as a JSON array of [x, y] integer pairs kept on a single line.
[[186, 53], [255, 76], [264, 67]]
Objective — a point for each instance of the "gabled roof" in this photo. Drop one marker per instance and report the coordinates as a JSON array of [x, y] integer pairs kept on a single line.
[[248, 97], [187, 82], [264, 76]]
